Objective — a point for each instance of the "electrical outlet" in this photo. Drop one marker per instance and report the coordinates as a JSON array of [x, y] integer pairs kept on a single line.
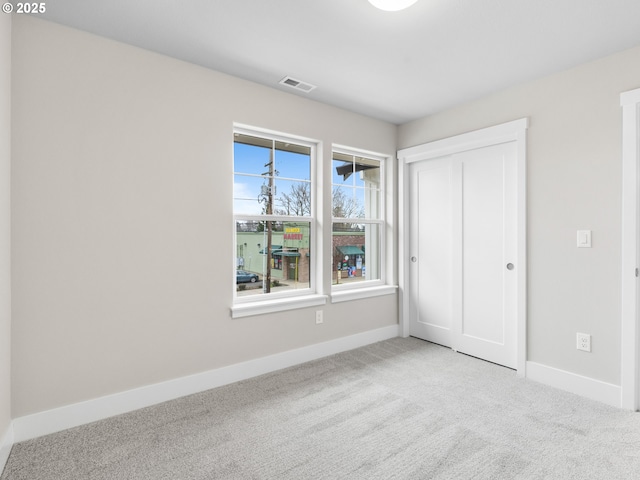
[[319, 319], [583, 342]]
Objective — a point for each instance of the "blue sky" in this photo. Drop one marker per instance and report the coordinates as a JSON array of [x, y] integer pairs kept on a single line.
[[251, 159], [291, 168]]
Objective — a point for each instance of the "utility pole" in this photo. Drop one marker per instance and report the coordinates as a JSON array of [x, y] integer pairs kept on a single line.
[[266, 283]]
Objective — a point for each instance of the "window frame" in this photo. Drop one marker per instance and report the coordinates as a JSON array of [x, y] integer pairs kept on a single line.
[[364, 288], [290, 299]]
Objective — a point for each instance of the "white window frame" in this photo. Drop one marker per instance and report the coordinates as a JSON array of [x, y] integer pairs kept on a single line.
[[291, 299], [365, 288]]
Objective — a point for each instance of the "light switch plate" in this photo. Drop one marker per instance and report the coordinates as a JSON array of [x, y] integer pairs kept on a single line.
[[584, 238]]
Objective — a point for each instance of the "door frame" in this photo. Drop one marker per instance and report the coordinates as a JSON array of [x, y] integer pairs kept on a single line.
[[514, 131], [629, 329]]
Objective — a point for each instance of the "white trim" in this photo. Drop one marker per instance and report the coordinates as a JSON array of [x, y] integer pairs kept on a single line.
[[384, 161], [630, 97], [346, 150], [50, 421], [244, 129], [630, 102], [514, 131], [277, 218], [272, 303], [338, 296], [505, 132], [240, 310], [570, 382], [521, 240], [404, 203], [5, 447]]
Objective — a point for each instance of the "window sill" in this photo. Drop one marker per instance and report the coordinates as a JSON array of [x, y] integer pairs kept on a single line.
[[279, 305], [360, 293]]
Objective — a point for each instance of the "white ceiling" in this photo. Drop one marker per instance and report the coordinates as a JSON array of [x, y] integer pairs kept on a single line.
[[396, 66]]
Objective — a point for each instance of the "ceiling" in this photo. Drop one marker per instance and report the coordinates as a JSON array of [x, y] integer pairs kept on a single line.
[[395, 66]]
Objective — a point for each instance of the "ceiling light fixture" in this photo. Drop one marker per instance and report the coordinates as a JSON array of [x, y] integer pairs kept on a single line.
[[392, 5]]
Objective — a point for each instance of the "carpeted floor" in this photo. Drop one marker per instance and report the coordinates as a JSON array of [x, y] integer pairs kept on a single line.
[[398, 409]]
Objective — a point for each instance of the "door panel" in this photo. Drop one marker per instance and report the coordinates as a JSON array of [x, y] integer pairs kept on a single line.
[[431, 276], [461, 283], [487, 320], [482, 258]]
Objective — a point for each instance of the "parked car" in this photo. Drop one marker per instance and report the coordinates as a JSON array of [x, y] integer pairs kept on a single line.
[[242, 276]]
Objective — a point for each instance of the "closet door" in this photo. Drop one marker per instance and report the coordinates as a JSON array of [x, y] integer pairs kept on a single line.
[[432, 246], [463, 247]]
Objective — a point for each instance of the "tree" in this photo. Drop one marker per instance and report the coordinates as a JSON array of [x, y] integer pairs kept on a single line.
[[298, 202], [345, 206]]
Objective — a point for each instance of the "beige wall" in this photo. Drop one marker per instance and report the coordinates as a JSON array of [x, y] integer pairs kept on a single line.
[[574, 182], [5, 222], [122, 217], [122, 214]]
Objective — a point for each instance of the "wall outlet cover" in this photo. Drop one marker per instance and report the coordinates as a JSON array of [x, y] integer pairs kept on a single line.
[[583, 342]]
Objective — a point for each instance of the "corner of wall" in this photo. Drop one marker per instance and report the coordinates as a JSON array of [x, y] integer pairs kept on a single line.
[[6, 428], [6, 443]]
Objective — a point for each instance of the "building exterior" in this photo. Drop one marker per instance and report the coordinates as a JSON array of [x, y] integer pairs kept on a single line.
[[291, 249]]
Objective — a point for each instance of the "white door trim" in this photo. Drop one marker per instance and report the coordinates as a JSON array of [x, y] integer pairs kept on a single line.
[[630, 103], [506, 132]]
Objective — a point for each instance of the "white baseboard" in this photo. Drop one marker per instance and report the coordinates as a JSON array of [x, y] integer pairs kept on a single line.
[[6, 442], [571, 382], [57, 419]]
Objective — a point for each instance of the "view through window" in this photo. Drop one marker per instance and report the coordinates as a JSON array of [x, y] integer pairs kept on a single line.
[[273, 214], [357, 218]]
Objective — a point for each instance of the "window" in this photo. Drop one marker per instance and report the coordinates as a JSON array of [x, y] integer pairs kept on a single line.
[[274, 216], [278, 262], [358, 219]]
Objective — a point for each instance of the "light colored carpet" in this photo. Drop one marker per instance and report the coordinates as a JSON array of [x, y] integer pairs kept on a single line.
[[398, 409]]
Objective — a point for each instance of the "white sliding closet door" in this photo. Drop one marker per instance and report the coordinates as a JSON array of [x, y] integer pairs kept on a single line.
[[463, 234]]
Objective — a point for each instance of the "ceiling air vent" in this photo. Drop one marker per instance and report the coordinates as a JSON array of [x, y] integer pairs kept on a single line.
[[297, 84]]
